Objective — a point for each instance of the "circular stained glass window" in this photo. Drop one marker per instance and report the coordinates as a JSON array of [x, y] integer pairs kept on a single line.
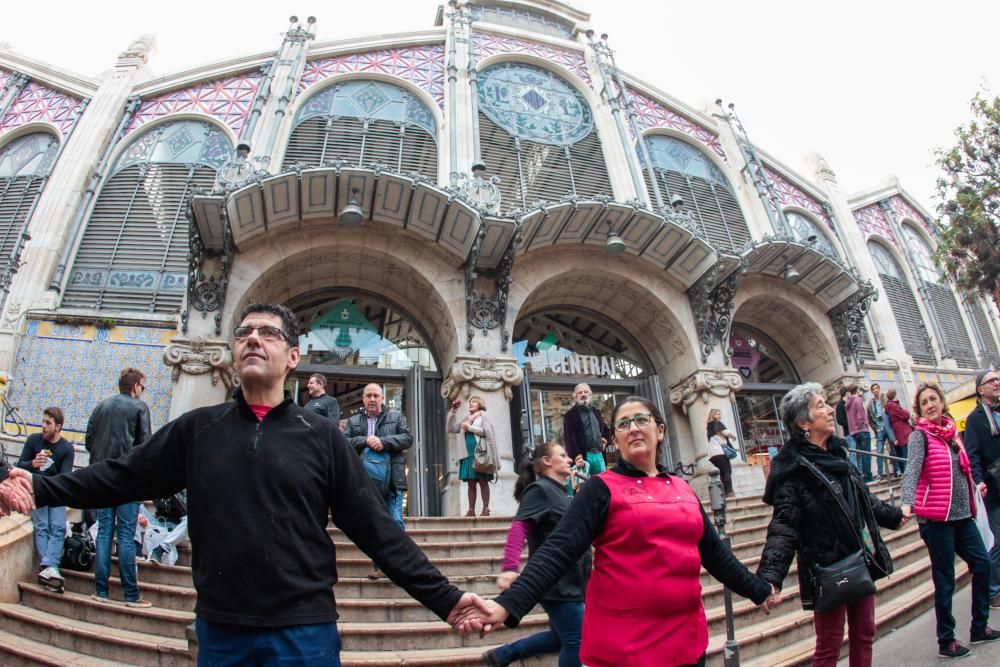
[[534, 104]]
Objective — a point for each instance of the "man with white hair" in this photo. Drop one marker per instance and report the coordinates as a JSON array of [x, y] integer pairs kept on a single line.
[[585, 431]]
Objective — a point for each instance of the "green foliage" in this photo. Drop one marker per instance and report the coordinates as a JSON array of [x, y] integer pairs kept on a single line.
[[968, 194]]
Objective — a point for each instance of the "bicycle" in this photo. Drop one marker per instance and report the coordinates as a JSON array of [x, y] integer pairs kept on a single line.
[[11, 421]]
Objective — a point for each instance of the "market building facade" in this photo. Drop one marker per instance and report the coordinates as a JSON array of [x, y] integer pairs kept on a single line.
[[488, 206]]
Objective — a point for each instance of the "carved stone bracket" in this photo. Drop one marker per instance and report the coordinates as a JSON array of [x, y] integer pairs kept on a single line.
[[485, 373], [711, 301], [198, 356], [207, 293], [705, 383], [848, 319], [487, 312]]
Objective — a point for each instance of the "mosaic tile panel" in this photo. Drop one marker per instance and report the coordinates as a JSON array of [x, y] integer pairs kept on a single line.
[[39, 103], [792, 195], [77, 366], [486, 44], [871, 220], [228, 100], [651, 114], [4, 77], [423, 66], [904, 210]]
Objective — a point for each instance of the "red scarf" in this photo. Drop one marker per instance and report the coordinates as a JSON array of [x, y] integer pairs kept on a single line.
[[945, 430]]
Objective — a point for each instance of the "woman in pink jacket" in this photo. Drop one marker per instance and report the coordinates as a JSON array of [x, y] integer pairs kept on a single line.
[[938, 488]]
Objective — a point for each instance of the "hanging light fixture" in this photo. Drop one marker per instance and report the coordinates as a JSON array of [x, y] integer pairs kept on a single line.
[[352, 215], [791, 275], [614, 245]]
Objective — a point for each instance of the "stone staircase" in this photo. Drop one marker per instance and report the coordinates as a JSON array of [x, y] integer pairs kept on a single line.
[[381, 626]]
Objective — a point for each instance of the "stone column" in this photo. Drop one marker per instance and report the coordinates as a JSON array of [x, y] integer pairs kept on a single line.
[[701, 391], [202, 370], [491, 378]]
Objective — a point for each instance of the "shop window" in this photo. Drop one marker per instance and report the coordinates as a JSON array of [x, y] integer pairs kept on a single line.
[[683, 170], [134, 252], [365, 122], [537, 134], [25, 164]]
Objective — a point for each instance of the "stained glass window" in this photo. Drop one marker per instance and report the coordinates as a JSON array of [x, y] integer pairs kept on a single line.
[[808, 231], [25, 163]]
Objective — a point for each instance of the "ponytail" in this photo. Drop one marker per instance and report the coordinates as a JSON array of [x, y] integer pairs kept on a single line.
[[529, 468]]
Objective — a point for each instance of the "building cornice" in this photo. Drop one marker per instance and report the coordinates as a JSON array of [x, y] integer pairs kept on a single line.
[[339, 47], [874, 195], [53, 77], [206, 72]]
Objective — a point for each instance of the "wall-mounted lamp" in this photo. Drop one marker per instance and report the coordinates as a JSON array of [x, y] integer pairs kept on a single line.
[[791, 275], [352, 215], [614, 245], [677, 202]]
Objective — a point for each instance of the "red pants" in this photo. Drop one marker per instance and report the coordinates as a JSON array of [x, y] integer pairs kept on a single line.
[[830, 633]]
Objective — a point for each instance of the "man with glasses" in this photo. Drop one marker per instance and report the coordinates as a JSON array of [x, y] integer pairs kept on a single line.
[[116, 426], [982, 441], [263, 476]]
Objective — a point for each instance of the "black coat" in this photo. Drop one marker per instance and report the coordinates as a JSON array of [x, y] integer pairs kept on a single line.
[[983, 448], [809, 523], [115, 426], [395, 435]]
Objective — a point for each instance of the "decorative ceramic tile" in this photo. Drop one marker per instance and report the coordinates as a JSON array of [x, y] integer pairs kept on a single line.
[[229, 100], [791, 195], [652, 114], [486, 44], [904, 210], [423, 66], [871, 220], [77, 366], [39, 103], [4, 77]]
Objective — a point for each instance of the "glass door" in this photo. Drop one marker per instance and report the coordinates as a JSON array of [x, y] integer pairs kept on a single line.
[[760, 425]]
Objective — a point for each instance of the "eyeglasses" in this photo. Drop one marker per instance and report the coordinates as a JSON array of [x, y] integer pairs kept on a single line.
[[641, 420], [265, 332], [991, 381]]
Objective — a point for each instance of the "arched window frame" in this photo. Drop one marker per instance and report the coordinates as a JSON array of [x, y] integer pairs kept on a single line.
[[26, 160], [361, 135], [535, 169], [706, 190], [804, 225], [902, 301], [133, 254]]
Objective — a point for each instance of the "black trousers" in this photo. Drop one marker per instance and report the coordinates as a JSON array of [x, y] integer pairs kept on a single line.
[[721, 462]]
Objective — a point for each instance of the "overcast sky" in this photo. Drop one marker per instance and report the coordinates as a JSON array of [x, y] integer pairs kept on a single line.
[[874, 86]]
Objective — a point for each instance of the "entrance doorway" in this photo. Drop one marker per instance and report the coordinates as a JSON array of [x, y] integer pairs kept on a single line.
[[356, 338]]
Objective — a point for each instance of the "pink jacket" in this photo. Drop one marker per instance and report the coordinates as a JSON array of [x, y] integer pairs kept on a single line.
[[933, 499], [857, 416]]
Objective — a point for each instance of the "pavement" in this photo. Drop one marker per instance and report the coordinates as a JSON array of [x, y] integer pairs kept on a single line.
[[914, 644]]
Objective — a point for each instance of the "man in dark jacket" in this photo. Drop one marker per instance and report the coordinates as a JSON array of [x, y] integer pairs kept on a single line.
[[321, 402], [982, 442], [585, 431], [115, 426], [263, 477], [381, 429]]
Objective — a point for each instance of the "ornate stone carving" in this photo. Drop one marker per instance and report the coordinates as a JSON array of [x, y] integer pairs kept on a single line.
[[139, 49], [822, 168], [711, 301], [848, 319], [207, 293], [833, 389], [705, 383], [198, 356], [482, 311], [485, 373]]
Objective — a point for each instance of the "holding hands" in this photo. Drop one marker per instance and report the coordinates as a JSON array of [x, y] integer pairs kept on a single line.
[[773, 600], [16, 493]]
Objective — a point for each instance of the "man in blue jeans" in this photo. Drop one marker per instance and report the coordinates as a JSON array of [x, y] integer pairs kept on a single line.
[[117, 425]]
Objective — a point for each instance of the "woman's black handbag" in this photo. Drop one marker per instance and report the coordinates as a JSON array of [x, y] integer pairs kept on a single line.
[[842, 582]]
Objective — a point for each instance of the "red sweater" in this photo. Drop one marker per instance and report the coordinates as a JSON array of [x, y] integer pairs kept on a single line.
[[899, 417]]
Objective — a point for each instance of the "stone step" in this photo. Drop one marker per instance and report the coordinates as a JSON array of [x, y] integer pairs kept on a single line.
[[433, 635], [435, 551], [453, 534], [80, 606], [454, 657], [163, 596], [15, 650], [94, 640], [760, 640]]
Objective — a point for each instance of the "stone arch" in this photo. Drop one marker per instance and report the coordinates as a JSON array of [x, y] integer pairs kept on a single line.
[[648, 309], [415, 275], [794, 322]]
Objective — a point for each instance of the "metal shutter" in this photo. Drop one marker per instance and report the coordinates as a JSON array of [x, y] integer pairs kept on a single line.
[[865, 350], [17, 196], [956, 337], [982, 322], [714, 206], [136, 243], [911, 326]]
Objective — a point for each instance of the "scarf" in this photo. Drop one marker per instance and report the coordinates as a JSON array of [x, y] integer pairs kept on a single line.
[[835, 465], [946, 430]]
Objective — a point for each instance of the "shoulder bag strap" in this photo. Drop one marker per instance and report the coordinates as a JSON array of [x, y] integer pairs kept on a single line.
[[840, 501]]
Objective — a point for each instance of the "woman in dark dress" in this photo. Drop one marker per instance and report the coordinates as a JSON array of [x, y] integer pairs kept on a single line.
[[541, 492]]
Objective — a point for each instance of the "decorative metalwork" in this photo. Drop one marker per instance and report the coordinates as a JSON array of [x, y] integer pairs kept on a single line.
[[423, 66], [807, 232], [534, 104], [299, 33], [790, 194], [479, 191], [482, 311], [711, 299], [848, 319], [239, 171], [207, 293]]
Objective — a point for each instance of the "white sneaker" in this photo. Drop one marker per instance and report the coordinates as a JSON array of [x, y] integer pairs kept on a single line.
[[50, 575]]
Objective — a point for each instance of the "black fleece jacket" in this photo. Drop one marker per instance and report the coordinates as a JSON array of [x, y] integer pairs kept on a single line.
[[259, 497]]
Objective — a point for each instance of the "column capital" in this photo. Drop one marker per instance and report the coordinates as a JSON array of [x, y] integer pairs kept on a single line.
[[705, 383], [200, 356], [484, 372], [833, 388]]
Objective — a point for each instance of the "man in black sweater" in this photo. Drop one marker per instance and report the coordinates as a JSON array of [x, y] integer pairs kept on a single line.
[[263, 476], [982, 441], [321, 402], [49, 454]]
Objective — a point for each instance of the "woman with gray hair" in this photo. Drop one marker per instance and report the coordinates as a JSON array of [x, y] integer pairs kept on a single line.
[[824, 513]]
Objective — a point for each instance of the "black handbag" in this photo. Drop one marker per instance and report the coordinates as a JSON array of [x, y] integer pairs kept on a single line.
[[848, 579], [842, 582]]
